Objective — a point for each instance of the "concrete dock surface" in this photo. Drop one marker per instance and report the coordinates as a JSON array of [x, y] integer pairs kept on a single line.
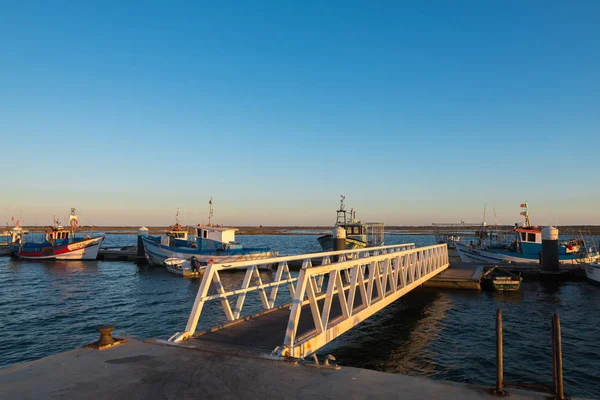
[[143, 370]]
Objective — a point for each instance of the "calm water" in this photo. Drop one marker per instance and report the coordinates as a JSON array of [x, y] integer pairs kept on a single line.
[[49, 307]]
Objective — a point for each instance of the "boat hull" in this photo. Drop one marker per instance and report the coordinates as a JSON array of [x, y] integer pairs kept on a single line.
[[326, 243], [182, 267], [471, 254], [4, 250], [502, 285], [156, 254], [86, 249], [592, 273]]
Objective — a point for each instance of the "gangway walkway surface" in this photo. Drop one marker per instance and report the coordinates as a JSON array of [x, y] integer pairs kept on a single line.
[[325, 301]]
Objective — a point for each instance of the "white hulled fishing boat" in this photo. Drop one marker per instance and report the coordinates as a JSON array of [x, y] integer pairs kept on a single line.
[[60, 243], [358, 234]]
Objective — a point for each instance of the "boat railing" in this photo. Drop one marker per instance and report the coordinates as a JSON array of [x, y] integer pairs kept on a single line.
[[253, 281]]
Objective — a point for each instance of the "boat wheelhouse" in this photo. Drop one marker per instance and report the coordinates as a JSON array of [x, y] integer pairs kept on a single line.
[[358, 234]]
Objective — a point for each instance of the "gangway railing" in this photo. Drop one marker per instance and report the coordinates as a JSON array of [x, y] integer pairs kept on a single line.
[[381, 275]]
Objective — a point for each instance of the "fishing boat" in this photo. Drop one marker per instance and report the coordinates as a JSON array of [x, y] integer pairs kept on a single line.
[[182, 267], [5, 243], [10, 238], [60, 243], [500, 280], [592, 272], [526, 247], [207, 242], [358, 234]]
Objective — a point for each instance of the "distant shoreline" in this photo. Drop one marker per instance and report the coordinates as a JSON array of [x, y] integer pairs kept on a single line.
[[315, 230]]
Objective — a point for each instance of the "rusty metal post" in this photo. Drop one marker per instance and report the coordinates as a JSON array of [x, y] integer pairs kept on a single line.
[[499, 355], [560, 392], [554, 380]]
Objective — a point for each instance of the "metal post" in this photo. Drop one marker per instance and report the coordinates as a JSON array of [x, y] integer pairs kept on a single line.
[[560, 392], [554, 380], [499, 355]]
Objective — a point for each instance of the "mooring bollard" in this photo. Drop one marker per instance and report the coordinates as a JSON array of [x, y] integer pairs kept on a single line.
[[105, 336], [339, 240], [549, 259], [557, 362], [499, 390], [106, 340], [143, 231]]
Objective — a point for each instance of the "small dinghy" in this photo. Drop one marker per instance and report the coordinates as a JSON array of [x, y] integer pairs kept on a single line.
[[186, 268], [500, 280]]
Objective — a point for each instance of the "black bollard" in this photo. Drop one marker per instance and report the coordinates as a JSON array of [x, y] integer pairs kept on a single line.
[[143, 231], [550, 249], [339, 239]]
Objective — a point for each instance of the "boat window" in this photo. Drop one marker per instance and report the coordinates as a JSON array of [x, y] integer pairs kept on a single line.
[[523, 236], [204, 234], [531, 237]]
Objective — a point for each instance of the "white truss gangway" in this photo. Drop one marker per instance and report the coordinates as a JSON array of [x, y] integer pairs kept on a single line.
[[303, 313]]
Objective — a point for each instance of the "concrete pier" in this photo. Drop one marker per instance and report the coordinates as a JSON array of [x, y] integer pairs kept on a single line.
[[141, 370], [458, 278], [129, 253]]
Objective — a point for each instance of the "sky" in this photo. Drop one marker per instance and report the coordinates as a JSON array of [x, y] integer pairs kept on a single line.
[[417, 112]]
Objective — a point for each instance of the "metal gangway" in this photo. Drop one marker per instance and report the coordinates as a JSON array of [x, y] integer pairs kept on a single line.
[[364, 281]]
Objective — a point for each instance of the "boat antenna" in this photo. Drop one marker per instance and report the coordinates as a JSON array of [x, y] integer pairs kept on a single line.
[[210, 212], [526, 214], [495, 219], [177, 217], [484, 213]]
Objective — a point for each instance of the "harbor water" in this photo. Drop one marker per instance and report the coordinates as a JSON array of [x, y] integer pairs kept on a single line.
[[50, 307]]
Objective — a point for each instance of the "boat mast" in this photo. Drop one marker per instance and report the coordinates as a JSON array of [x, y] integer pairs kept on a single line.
[[73, 221], [526, 214], [341, 213], [210, 212]]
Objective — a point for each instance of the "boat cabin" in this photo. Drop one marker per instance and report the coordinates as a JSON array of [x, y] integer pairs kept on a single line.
[[529, 240], [176, 235], [58, 236], [181, 235], [215, 237], [355, 229]]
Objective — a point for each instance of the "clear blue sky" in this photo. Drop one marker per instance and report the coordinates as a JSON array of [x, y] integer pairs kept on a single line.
[[418, 112]]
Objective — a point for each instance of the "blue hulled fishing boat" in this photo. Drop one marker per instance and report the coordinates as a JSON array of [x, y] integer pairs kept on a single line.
[[526, 247], [207, 242]]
